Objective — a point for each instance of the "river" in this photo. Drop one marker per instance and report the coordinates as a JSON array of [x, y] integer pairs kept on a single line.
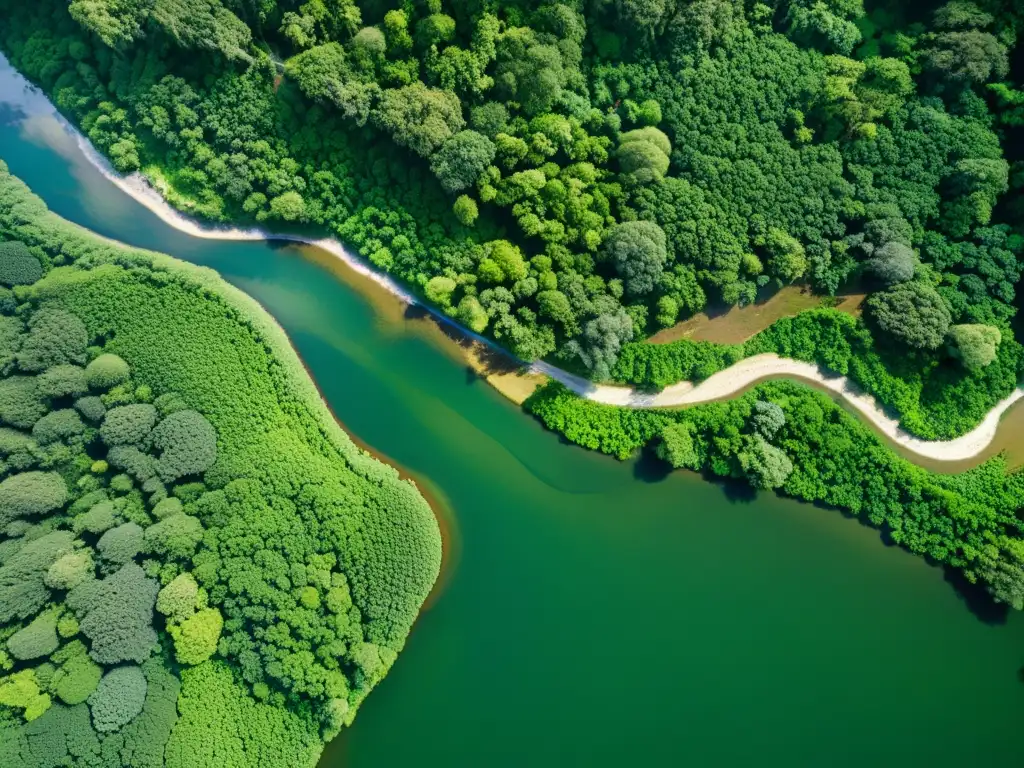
[[595, 612]]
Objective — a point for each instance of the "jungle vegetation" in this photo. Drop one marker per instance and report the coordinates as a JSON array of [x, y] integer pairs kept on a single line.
[[789, 438], [569, 176], [197, 566]]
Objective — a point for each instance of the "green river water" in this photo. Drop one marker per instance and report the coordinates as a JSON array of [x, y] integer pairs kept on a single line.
[[598, 613]]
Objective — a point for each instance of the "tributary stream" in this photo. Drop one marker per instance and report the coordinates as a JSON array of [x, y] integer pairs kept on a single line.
[[598, 613]]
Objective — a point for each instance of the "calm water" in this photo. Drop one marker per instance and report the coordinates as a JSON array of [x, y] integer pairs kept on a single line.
[[596, 615]]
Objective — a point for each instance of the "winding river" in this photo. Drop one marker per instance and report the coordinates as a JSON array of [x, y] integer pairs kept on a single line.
[[598, 613]]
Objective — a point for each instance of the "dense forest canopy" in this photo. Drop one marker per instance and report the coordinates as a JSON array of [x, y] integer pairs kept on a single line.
[[570, 176], [197, 567]]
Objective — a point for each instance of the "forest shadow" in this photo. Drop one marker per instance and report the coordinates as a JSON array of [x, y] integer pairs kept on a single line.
[[489, 359], [977, 599], [648, 468], [974, 597]]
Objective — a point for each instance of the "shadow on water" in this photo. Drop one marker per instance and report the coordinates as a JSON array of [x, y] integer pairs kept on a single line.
[[648, 468], [977, 599]]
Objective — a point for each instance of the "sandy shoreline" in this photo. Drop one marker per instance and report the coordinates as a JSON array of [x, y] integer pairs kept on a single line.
[[721, 385]]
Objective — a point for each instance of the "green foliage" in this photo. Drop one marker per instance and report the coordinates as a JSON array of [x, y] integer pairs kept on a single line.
[[54, 337], [195, 638], [175, 537], [18, 266], [22, 591], [677, 448], [118, 699], [790, 143], [178, 600], [98, 519], [765, 465], [62, 381], [305, 531], [21, 404], [116, 615], [128, 424], [106, 371], [637, 249], [187, 444], [461, 159], [212, 703], [77, 676], [31, 493], [70, 570], [893, 263], [418, 117], [167, 508], [913, 313], [644, 155], [767, 418], [91, 408], [21, 691], [58, 425], [976, 346], [38, 639], [120, 545]]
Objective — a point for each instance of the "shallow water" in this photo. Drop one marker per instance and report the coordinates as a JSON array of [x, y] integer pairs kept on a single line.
[[599, 613]]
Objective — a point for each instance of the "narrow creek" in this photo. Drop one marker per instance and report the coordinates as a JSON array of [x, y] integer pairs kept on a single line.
[[599, 613]]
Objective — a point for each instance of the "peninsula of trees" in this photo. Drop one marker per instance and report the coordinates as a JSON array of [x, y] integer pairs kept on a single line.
[[197, 566]]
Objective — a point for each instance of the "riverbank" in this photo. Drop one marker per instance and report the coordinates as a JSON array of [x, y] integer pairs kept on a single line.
[[517, 383]]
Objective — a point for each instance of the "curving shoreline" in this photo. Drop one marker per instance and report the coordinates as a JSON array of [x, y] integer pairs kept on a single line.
[[723, 384]]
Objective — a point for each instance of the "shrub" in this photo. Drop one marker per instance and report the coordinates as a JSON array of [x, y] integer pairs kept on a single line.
[[91, 408], [70, 570], [188, 445], [976, 346], [22, 590], [11, 336], [101, 517], [55, 337], [176, 536], [13, 441], [31, 493], [195, 639], [36, 640], [116, 614], [130, 459], [106, 371], [177, 601], [21, 405], [78, 675], [21, 691], [67, 626], [18, 265], [121, 544], [61, 381], [767, 418], [121, 483], [677, 448], [167, 508], [118, 699], [128, 424], [912, 313], [58, 425]]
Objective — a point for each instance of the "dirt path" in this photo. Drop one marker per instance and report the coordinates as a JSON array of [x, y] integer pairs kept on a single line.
[[721, 385]]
